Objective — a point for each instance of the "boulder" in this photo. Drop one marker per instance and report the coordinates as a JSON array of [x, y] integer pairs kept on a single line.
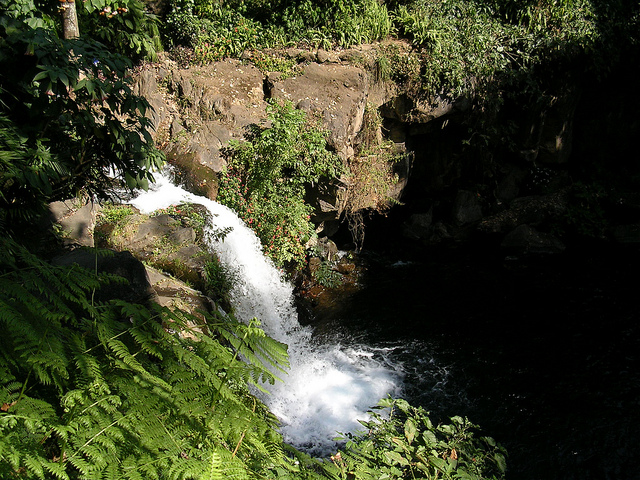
[[418, 226], [206, 108], [336, 94], [135, 288], [76, 219], [163, 241], [627, 234], [532, 210], [466, 208], [194, 173], [328, 201], [174, 294], [151, 231], [147, 86], [525, 239]]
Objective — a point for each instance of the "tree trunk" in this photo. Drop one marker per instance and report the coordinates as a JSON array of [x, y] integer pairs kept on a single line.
[[69, 19]]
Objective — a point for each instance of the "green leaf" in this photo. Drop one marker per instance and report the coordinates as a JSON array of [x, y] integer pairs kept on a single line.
[[64, 79], [429, 438], [144, 184], [410, 429], [395, 457], [130, 180], [40, 76]]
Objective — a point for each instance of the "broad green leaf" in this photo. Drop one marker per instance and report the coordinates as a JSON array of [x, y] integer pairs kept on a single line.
[[429, 437], [410, 429], [130, 180], [395, 457], [40, 76], [64, 79]]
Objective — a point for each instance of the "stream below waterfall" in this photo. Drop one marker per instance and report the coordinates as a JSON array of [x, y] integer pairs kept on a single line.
[[543, 353]]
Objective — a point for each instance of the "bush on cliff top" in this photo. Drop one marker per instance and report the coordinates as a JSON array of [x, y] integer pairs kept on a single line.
[[460, 42]]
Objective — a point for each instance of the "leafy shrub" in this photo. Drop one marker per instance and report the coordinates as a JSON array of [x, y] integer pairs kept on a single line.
[[365, 21], [77, 113], [460, 43], [122, 25], [27, 173], [216, 30], [266, 177], [326, 276], [213, 32], [405, 444]]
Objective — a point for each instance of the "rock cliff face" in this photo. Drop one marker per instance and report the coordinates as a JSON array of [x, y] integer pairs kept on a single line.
[[450, 191], [199, 110]]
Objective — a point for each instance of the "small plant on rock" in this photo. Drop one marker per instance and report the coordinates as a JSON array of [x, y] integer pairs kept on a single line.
[[218, 281], [326, 276], [189, 214]]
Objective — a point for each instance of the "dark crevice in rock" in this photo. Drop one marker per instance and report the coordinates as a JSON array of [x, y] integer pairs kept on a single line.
[[267, 88]]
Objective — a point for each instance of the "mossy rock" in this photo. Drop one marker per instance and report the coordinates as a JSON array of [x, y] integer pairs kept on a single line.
[[164, 241]]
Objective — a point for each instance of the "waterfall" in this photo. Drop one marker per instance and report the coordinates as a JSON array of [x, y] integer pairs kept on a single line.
[[329, 386]]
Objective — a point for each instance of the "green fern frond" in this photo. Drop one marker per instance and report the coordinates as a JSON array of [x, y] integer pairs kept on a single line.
[[255, 347], [105, 391], [56, 469]]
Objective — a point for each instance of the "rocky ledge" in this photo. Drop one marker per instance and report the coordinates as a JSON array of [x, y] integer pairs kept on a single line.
[[450, 192]]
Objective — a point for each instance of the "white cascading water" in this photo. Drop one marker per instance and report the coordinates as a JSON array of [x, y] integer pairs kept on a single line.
[[329, 387]]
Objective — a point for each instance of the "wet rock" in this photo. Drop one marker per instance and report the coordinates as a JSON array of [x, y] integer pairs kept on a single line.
[[194, 173], [314, 265], [345, 266], [525, 239], [324, 248], [466, 208]]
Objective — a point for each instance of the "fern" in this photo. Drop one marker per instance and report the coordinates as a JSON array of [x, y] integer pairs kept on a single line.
[[108, 391]]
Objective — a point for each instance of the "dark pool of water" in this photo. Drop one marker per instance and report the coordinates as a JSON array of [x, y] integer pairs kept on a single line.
[[543, 353]]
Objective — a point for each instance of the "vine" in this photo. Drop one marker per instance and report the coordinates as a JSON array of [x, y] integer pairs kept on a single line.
[[371, 176]]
